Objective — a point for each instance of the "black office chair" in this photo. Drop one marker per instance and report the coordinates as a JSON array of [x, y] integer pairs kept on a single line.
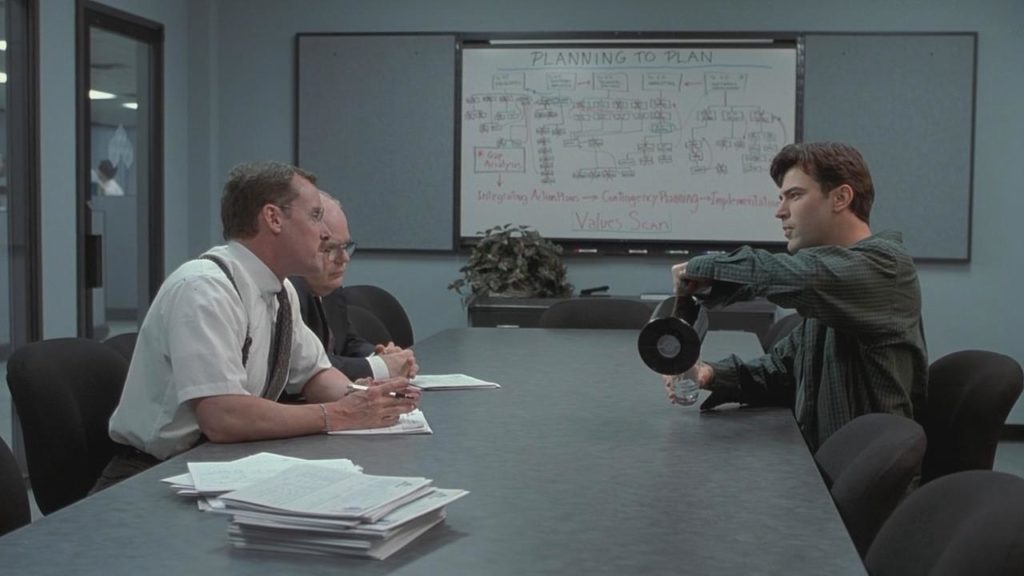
[[14, 509], [365, 324], [868, 465], [64, 391], [970, 393], [123, 343], [779, 330], [611, 313], [386, 308], [965, 523]]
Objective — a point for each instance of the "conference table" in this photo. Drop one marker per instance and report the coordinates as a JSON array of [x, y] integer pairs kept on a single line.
[[577, 465]]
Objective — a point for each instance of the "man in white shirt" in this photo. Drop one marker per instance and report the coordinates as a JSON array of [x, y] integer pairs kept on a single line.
[[207, 360], [104, 176], [325, 310]]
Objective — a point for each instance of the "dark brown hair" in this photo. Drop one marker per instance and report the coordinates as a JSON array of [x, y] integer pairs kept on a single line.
[[107, 169], [249, 188], [830, 164]]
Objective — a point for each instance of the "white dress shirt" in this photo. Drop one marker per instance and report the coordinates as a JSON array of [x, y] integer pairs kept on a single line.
[[190, 346], [379, 367], [111, 188]]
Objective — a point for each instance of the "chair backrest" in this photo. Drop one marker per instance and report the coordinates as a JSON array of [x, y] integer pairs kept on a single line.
[[14, 509], [779, 330], [970, 393], [593, 312], [64, 391], [964, 523], [386, 308], [368, 326], [123, 343], [868, 465]]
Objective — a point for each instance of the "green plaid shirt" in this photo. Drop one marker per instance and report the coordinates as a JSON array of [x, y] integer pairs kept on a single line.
[[861, 345]]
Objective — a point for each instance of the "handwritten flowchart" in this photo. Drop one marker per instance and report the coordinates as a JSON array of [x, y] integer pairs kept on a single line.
[[666, 143]]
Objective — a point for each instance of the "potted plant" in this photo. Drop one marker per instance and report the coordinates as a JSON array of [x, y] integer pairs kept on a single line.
[[513, 260]]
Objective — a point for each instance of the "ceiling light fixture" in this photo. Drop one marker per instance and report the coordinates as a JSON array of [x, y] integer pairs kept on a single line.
[[99, 95]]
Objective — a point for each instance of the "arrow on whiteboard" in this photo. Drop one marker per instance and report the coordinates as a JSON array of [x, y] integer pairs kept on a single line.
[[499, 180]]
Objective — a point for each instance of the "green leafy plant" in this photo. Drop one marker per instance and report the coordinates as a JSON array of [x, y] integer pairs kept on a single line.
[[514, 261]]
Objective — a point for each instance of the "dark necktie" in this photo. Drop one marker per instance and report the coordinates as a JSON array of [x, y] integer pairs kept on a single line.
[[324, 332], [280, 348]]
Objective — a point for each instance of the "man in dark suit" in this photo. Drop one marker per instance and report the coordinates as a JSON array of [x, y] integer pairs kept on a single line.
[[325, 311]]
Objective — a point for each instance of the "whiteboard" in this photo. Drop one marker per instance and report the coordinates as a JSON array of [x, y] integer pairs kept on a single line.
[[615, 143]]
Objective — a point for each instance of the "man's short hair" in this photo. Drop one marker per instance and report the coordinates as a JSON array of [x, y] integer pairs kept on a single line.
[[249, 188], [107, 169], [830, 164]]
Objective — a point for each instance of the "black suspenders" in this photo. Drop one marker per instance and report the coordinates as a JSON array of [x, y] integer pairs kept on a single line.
[[224, 268]]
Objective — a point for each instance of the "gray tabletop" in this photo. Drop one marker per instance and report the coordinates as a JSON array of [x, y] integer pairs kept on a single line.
[[577, 465]]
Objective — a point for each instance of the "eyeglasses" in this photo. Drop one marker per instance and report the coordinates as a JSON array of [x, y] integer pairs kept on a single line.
[[334, 251], [316, 213]]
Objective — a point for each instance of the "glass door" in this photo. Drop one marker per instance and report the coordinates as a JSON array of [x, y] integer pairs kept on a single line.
[[20, 293], [122, 152]]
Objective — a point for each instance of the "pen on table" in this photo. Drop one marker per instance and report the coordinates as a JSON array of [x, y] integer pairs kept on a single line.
[[354, 386]]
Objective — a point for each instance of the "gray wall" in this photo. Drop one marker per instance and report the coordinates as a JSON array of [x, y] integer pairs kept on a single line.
[[57, 163], [229, 97]]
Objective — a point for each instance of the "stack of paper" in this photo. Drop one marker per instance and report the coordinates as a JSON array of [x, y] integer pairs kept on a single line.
[[326, 510], [207, 480], [287, 504], [451, 382]]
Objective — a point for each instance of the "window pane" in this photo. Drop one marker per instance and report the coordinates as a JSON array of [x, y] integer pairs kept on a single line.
[[19, 214], [118, 106], [5, 251]]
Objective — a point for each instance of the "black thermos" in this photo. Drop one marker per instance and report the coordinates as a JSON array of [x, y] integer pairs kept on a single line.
[[670, 342]]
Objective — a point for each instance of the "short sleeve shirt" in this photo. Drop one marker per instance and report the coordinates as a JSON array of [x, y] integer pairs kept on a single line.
[[190, 346]]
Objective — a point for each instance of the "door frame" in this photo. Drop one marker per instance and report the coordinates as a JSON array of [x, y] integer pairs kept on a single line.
[[23, 170], [89, 15]]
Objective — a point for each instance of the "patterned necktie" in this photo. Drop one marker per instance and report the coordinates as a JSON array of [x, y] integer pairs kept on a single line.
[[280, 348]]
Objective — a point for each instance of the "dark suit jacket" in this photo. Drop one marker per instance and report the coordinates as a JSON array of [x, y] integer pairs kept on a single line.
[[330, 316]]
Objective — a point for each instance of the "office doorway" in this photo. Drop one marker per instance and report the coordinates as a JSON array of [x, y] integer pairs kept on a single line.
[[120, 166]]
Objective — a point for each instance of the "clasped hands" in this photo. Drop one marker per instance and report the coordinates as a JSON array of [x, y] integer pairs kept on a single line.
[[400, 361]]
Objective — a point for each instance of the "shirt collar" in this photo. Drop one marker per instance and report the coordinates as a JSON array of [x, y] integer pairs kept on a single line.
[[265, 280], [891, 235]]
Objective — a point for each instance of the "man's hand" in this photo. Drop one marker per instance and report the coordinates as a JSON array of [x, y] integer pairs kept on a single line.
[[378, 406], [388, 348], [704, 372], [685, 285], [400, 363]]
